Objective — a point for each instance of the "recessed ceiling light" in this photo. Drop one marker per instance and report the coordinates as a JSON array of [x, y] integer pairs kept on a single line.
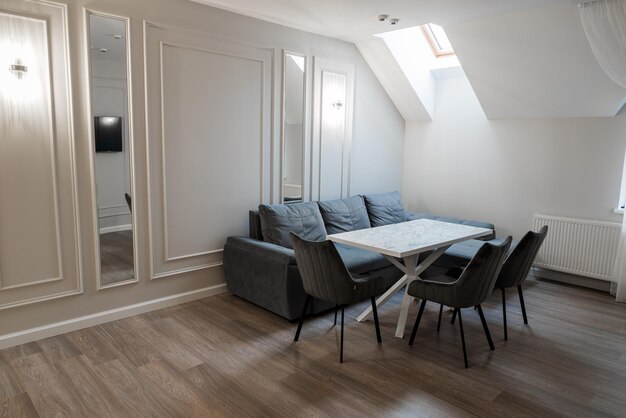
[[117, 36], [394, 21], [103, 50], [383, 18]]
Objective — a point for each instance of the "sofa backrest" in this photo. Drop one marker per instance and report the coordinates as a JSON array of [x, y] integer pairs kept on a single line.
[[304, 219], [385, 208], [343, 215], [254, 225]]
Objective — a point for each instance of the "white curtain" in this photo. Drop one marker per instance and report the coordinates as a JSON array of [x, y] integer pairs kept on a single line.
[[605, 25]]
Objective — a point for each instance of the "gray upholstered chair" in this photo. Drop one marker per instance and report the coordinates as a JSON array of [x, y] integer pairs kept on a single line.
[[470, 289], [324, 276], [516, 268]]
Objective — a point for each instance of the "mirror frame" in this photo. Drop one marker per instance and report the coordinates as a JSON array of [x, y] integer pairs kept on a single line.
[[281, 194], [131, 148]]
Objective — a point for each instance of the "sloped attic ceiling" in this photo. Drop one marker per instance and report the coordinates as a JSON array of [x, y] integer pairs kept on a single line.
[[534, 64], [524, 58]]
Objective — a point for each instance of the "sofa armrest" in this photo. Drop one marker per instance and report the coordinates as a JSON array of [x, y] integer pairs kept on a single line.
[[262, 249]]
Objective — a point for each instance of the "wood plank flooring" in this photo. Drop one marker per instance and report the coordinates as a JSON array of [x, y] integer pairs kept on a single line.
[[223, 356], [116, 257]]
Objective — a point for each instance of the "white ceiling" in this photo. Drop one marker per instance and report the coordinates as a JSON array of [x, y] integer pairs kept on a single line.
[[524, 58], [534, 64], [102, 30], [355, 20]]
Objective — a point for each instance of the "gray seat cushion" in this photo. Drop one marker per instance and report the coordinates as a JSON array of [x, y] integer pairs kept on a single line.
[[385, 208], [461, 253], [342, 215], [277, 221], [361, 261]]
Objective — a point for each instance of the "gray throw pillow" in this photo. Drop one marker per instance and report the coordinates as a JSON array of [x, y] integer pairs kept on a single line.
[[277, 221], [385, 208], [344, 215]]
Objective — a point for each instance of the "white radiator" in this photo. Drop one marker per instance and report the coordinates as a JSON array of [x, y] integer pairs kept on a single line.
[[577, 246]]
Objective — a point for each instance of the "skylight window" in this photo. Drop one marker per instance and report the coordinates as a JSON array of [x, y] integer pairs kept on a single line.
[[438, 40]]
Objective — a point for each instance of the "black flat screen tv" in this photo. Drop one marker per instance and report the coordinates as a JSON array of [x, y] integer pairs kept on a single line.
[[108, 130]]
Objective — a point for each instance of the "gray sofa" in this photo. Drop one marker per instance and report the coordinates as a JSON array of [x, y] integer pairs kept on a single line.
[[262, 268]]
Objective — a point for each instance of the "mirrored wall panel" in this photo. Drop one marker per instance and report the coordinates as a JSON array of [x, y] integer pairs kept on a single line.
[[294, 92], [111, 145]]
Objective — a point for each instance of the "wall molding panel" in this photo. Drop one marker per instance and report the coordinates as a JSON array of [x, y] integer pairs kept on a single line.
[[331, 144], [209, 153], [40, 256]]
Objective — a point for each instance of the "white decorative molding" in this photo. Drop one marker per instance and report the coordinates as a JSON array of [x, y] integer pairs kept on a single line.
[[62, 156], [156, 38], [164, 200], [86, 321], [323, 66]]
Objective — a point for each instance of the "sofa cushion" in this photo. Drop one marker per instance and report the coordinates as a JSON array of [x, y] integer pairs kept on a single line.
[[385, 208], [462, 252], [342, 215], [361, 261], [277, 221]]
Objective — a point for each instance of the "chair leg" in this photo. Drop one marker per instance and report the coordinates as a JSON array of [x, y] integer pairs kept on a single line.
[[485, 327], [453, 317], [506, 337], [417, 322], [335, 324], [439, 321], [376, 323], [521, 302], [462, 337], [341, 343], [306, 306]]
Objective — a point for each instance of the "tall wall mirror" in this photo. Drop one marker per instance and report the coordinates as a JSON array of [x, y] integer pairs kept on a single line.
[[109, 82], [294, 105]]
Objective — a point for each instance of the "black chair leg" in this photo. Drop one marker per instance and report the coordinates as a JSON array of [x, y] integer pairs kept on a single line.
[[336, 306], [485, 327], [521, 302], [306, 306], [376, 323], [453, 317], [417, 322], [341, 343], [439, 321], [506, 337], [462, 338]]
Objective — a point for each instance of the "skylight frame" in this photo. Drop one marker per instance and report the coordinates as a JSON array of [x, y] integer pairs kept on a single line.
[[435, 44]]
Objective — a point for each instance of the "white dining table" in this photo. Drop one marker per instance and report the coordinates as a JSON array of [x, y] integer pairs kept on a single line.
[[406, 241]]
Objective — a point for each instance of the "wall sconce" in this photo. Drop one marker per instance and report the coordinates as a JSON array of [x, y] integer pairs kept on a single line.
[[338, 104], [18, 69]]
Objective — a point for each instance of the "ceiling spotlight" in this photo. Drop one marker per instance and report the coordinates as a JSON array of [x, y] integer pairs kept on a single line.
[[394, 21], [117, 36], [383, 18], [103, 50]]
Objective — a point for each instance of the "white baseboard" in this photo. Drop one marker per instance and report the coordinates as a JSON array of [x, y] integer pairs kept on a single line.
[[50, 330], [116, 228]]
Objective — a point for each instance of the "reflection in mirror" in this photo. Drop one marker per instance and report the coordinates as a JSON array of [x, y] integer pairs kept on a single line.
[[293, 126], [110, 118]]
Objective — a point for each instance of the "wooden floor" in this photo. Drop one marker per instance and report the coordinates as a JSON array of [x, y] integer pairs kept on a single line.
[[116, 257], [225, 357]]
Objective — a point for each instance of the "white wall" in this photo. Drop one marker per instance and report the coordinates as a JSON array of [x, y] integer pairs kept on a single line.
[[375, 164], [503, 171]]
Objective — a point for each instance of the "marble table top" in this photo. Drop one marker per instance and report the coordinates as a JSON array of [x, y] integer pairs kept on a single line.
[[409, 238]]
